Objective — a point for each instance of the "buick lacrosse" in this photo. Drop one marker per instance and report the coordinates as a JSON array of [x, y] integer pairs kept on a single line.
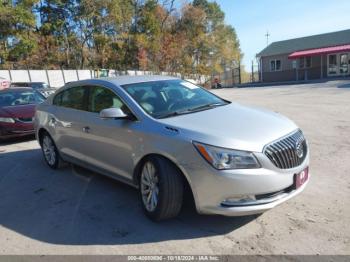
[[163, 135]]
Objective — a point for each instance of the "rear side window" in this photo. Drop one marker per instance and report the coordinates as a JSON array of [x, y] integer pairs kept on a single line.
[[57, 100], [71, 98]]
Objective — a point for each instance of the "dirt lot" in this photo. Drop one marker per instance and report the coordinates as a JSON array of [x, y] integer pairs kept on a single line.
[[73, 211]]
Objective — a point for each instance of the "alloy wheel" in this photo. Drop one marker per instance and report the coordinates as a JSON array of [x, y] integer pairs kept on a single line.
[[49, 150], [149, 187]]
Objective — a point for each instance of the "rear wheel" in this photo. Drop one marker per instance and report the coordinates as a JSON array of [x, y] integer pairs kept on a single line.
[[50, 152], [161, 189]]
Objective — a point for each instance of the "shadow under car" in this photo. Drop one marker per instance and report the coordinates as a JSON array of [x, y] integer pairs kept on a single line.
[[74, 206]]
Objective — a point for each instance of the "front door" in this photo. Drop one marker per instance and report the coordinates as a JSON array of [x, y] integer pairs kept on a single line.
[[108, 143]]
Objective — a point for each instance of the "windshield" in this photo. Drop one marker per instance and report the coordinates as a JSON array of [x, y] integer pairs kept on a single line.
[[169, 98], [23, 97]]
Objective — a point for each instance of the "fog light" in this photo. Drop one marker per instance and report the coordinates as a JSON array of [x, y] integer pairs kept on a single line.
[[240, 199]]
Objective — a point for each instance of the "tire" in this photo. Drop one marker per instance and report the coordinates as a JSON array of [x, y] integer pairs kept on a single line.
[[50, 152], [160, 177]]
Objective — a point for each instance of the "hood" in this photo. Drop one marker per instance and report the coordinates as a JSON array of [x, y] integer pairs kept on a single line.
[[233, 126], [20, 111]]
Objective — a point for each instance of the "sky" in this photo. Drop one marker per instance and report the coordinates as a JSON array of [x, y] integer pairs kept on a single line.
[[283, 19]]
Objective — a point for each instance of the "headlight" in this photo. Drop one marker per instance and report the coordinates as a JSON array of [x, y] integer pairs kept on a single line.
[[222, 158], [7, 119]]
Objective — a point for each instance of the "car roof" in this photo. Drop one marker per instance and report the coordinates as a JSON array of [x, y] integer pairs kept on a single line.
[[125, 80], [118, 81], [16, 89], [28, 82]]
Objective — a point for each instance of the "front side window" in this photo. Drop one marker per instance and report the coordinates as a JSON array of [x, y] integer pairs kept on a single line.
[[103, 98], [71, 98], [168, 98]]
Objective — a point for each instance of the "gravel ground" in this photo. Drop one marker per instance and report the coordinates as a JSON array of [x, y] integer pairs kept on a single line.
[[74, 211]]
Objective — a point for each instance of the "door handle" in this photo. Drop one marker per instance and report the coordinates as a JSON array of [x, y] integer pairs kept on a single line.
[[86, 129]]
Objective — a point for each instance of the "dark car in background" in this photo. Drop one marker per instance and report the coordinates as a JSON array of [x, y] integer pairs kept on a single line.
[[17, 109], [41, 87]]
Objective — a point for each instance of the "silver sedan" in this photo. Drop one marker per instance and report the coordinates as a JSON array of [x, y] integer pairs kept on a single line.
[[163, 135]]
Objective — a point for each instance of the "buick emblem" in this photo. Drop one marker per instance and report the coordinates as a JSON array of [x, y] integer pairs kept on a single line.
[[299, 149]]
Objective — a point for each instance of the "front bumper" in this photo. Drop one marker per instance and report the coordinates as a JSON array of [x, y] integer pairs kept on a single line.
[[9, 130], [254, 208], [269, 186]]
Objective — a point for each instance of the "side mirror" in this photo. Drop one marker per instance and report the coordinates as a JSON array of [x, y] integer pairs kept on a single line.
[[113, 113]]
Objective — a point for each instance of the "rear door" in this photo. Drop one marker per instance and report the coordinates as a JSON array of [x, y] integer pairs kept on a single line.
[[69, 120]]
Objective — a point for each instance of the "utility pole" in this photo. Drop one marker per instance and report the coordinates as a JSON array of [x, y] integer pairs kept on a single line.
[[267, 38]]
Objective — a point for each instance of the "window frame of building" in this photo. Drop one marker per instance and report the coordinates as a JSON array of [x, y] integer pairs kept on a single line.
[[273, 65], [332, 68], [305, 62], [308, 61], [344, 65]]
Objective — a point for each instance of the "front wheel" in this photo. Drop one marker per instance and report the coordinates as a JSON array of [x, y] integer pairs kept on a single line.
[[161, 189], [50, 152]]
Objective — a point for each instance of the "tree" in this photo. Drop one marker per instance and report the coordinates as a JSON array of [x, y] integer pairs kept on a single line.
[[149, 35], [17, 40]]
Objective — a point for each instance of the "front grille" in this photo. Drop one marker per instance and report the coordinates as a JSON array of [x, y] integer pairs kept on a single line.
[[287, 152]]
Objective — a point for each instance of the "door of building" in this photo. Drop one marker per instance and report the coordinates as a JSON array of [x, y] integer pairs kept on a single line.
[[344, 64], [338, 64]]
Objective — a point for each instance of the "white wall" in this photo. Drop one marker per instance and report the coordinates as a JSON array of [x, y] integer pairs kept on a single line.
[[5, 74], [57, 78], [84, 74], [38, 76], [70, 75], [20, 76]]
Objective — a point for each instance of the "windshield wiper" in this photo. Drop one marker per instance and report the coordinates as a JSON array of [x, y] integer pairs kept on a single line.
[[192, 110], [175, 113], [212, 105]]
